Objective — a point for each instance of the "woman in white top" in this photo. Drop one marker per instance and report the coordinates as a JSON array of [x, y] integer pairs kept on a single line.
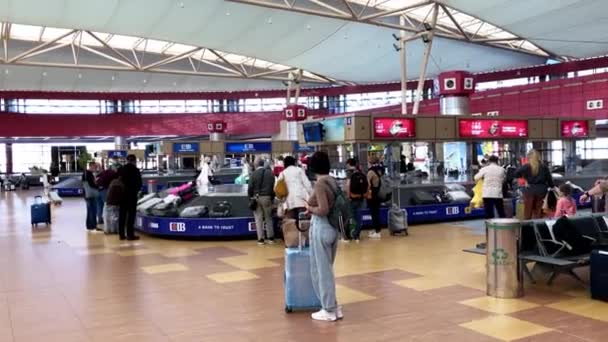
[[298, 187], [493, 176], [202, 181]]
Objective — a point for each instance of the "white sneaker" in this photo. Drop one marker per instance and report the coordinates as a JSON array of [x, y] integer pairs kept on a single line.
[[344, 241], [370, 233], [270, 241], [339, 313], [323, 315], [375, 235]]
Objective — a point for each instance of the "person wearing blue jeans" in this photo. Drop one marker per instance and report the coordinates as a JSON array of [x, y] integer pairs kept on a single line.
[[91, 213], [101, 200], [355, 206], [323, 239]]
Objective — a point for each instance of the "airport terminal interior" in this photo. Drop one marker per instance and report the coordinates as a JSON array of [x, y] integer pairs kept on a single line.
[[163, 168]]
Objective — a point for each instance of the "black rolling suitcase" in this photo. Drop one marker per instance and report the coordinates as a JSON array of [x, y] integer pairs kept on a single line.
[[599, 275]]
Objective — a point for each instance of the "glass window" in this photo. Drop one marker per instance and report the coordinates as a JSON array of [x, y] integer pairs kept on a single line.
[[253, 105], [172, 106], [39, 106], [197, 106], [274, 104], [149, 106]]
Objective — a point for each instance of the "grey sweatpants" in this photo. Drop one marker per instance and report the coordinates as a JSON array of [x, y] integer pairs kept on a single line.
[[263, 217], [323, 246]]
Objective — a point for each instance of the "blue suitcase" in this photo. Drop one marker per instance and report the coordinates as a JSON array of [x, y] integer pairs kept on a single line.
[[40, 211], [299, 293], [599, 275]]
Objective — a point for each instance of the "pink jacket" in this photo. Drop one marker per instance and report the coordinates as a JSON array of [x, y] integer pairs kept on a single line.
[[565, 206]]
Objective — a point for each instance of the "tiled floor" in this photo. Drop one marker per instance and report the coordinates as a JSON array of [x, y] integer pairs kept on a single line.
[[64, 284]]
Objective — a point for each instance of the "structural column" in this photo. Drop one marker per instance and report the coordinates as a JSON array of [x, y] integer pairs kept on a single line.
[[121, 144], [9, 158]]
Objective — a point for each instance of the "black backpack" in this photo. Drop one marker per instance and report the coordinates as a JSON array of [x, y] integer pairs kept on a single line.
[[358, 185], [221, 209]]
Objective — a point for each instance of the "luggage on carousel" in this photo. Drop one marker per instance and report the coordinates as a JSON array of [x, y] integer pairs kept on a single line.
[[110, 219], [397, 220], [420, 197], [599, 275], [55, 198], [146, 198], [221, 209], [195, 211], [146, 206], [40, 211], [164, 210], [459, 196]]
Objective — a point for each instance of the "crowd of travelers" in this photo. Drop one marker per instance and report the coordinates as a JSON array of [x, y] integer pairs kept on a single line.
[[111, 197]]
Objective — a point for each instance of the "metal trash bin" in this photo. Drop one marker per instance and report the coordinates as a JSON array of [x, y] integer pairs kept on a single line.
[[152, 186], [504, 276]]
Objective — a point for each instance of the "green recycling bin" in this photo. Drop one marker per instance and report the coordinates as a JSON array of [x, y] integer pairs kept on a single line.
[[504, 276]]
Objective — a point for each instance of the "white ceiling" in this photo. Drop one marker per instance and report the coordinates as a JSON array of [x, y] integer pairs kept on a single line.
[[342, 50], [574, 28]]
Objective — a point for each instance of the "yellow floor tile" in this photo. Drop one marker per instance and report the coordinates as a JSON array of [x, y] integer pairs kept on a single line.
[[248, 262], [231, 277], [95, 251], [499, 305], [347, 295], [505, 328], [178, 253], [154, 269], [423, 283], [136, 252], [584, 307]]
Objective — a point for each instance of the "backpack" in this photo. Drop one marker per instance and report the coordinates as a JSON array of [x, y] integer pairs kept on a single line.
[[339, 214], [358, 185], [385, 189]]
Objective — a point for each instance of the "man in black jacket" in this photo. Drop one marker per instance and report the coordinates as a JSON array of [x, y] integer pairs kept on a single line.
[[131, 178], [261, 187]]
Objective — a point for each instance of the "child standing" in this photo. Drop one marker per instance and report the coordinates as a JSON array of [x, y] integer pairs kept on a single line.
[[566, 205]]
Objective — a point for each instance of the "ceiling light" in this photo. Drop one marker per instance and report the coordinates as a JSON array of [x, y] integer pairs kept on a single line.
[[145, 81], [426, 38], [427, 26], [308, 27], [6, 71], [396, 37], [269, 20], [44, 74], [396, 47], [175, 84], [113, 77], [228, 13], [181, 4], [79, 75]]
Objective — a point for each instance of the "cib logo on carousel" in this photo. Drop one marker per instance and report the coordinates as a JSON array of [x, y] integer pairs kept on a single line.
[[177, 226]]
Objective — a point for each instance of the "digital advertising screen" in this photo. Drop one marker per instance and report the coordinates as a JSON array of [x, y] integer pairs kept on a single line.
[[575, 128], [333, 129], [492, 129], [394, 128], [117, 154]]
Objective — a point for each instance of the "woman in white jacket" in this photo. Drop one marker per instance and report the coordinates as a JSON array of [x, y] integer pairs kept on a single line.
[[298, 187], [493, 176], [202, 181]]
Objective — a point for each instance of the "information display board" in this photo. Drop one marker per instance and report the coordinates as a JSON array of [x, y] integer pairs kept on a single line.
[[394, 128], [117, 154], [333, 130], [574, 129], [185, 148], [249, 147], [492, 129]]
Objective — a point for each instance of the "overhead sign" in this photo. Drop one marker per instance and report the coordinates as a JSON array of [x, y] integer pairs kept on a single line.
[[394, 128], [117, 154], [575, 128], [302, 148], [185, 147], [249, 147], [492, 129]]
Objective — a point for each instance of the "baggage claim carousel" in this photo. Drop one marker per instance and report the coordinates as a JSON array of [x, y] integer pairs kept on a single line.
[[240, 224]]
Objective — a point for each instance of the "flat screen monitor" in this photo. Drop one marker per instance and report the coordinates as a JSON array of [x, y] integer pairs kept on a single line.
[[313, 132], [575, 128], [394, 128], [492, 128]]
